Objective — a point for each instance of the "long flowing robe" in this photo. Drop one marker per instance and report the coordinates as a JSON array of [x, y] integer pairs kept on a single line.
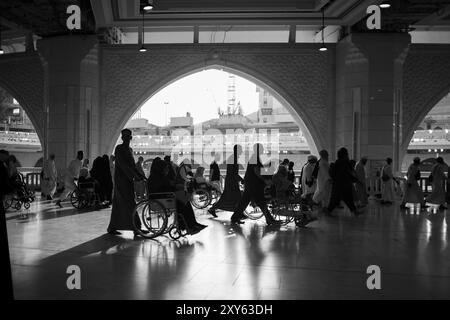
[[307, 176], [231, 193], [123, 207], [72, 173], [413, 192], [50, 178], [437, 196], [323, 192], [388, 186], [361, 189]]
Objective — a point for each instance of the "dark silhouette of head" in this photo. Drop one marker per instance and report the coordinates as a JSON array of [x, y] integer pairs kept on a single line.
[[364, 160], [127, 136], [80, 155], [440, 160], [342, 154], [323, 154], [389, 161], [291, 165]]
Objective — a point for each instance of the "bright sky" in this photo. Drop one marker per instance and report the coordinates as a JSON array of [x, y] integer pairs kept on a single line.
[[200, 94]]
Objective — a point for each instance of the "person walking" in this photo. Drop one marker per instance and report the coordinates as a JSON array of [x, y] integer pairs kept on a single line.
[[343, 177], [49, 178], [362, 199], [231, 194], [413, 192], [322, 172], [214, 174], [254, 184], [123, 208], [309, 183], [387, 178], [437, 179]]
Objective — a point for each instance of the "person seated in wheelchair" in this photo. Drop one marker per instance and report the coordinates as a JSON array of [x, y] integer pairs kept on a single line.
[[283, 189], [20, 188], [159, 182], [200, 180], [89, 184]]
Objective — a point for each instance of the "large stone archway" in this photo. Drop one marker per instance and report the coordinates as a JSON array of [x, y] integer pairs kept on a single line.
[[426, 80], [300, 76], [22, 76]]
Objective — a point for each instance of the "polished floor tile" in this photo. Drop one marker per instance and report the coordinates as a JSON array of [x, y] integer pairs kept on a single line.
[[327, 260]]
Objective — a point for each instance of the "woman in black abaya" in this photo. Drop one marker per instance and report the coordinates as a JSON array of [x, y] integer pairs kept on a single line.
[[231, 194]]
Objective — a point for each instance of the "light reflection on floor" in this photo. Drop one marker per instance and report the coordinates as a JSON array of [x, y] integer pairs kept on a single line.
[[327, 260]]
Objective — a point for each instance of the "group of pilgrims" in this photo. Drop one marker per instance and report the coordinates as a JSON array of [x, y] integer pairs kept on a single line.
[[119, 180]]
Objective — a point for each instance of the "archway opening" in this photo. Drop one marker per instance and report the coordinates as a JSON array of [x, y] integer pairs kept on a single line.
[[18, 135], [207, 111], [431, 138]]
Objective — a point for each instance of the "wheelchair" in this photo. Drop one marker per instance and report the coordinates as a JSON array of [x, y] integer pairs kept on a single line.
[[286, 209], [203, 195], [84, 195], [158, 215], [21, 195]]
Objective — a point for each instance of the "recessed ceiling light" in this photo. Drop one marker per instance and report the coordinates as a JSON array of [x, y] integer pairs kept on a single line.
[[323, 48], [385, 5], [142, 49], [1, 51], [148, 7]]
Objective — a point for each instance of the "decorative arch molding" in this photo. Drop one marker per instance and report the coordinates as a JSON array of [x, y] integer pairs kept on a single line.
[[22, 75], [299, 76], [426, 80]]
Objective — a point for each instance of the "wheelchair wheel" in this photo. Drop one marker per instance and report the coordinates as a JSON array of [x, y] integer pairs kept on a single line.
[[200, 198], [152, 216], [253, 213], [174, 233], [26, 205], [282, 213], [18, 205], [302, 221], [79, 199]]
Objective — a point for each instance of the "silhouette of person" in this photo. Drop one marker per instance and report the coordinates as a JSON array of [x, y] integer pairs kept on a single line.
[[123, 208]]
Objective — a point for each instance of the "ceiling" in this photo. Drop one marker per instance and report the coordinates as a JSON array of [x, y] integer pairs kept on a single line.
[[46, 18], [236, 12]]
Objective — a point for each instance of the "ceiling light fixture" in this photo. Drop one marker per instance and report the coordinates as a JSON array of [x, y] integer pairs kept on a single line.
[[149, 6], [385, 5], [143, 49], [323, 47]]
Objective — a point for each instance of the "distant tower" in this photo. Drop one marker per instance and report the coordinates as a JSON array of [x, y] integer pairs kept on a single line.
[[231, 108], [138, 114]]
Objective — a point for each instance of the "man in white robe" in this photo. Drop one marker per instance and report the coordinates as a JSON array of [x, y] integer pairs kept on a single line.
[[438, 171], [308, 182], [413, 193], [361, 189], [72, 174], [50, 177], [323, 191]]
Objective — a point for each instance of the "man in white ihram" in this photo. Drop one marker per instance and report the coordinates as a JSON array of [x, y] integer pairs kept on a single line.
[[50, 177], [73, 171]]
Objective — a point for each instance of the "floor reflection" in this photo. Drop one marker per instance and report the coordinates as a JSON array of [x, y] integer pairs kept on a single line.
[[328, 259]]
